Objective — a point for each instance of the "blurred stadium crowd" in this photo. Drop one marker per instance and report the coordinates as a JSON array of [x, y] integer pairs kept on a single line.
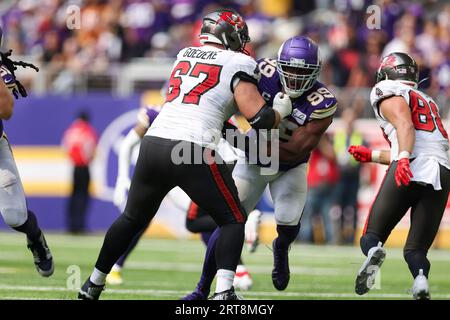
[[115, 34], [117, 31]]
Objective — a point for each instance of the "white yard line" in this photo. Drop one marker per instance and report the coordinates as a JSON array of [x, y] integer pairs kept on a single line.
[[248, 294]]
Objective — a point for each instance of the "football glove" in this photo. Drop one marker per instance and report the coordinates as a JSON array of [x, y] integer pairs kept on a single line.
[[120, 191], [403, 173], [11, 83], [361, 153], [283, 104]]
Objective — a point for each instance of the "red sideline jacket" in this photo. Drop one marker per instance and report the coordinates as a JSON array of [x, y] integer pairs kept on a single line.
[[321, 170], [80, 141]]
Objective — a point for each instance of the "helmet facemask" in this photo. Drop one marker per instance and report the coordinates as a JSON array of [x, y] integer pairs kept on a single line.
[[296, 76]]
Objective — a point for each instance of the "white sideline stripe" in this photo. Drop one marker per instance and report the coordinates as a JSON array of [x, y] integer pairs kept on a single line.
[[249, 293]]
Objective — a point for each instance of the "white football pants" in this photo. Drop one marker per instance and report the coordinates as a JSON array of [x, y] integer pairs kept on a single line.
[[13, 206], [288, 190]]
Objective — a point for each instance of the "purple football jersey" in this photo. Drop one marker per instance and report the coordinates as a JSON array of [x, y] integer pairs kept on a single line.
[[152, 114], [147, 114], [316, 103]]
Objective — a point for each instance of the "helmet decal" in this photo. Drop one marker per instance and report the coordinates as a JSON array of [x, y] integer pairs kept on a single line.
[[398, 66], [225, 27]]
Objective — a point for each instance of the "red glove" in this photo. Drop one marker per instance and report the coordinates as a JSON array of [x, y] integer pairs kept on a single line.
[[361, 153], [403, 173]]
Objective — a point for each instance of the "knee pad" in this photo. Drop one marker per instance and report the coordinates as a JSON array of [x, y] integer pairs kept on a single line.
[[14, 217], [288, 220], [7, 180], [367, 241]]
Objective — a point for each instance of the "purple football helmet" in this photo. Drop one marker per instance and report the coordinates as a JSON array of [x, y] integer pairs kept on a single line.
[[298, 65]]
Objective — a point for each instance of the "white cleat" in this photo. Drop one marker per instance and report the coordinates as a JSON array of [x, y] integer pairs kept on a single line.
[[252, 230], [242, 280], [420, 289], [369, 269]]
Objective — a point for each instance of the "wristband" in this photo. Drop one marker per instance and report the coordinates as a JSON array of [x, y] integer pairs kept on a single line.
[[376, 155], [404, 154]]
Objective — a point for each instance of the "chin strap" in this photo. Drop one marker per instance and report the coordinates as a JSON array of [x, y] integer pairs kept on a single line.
[[423, 80], [409, 83]]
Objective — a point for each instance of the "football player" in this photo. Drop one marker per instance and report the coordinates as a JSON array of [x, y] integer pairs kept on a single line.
[[197, 219], [418, 176], [208, 84], [13, 206], [295, 72]]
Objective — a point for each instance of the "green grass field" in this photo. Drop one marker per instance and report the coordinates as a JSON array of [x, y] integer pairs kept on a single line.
[[168, 269]]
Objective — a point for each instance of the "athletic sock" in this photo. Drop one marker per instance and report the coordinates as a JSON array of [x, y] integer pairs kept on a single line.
[[209, 264], [97, 277], [416, 260], [368, 241], [286, 235], [117, 240], [30, 227], [206, 236], [121, 261], [229, 246], [224, 280]]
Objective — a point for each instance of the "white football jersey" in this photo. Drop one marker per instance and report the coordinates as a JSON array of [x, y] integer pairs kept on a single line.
[[431, 144], [200, 94]]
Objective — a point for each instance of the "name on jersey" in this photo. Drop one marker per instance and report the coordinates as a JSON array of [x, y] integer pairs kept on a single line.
[[200, 54], [299, 116]]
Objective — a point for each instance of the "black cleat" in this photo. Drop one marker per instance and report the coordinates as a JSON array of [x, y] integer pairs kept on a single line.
[[90, 291], [226, 295], [43, 259], [280, 272]]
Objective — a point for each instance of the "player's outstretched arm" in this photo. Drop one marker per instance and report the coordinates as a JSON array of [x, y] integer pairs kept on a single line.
[[254, 108], [6, 102], [364, 154], [303, 140], [397, 112], [123, 179]]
